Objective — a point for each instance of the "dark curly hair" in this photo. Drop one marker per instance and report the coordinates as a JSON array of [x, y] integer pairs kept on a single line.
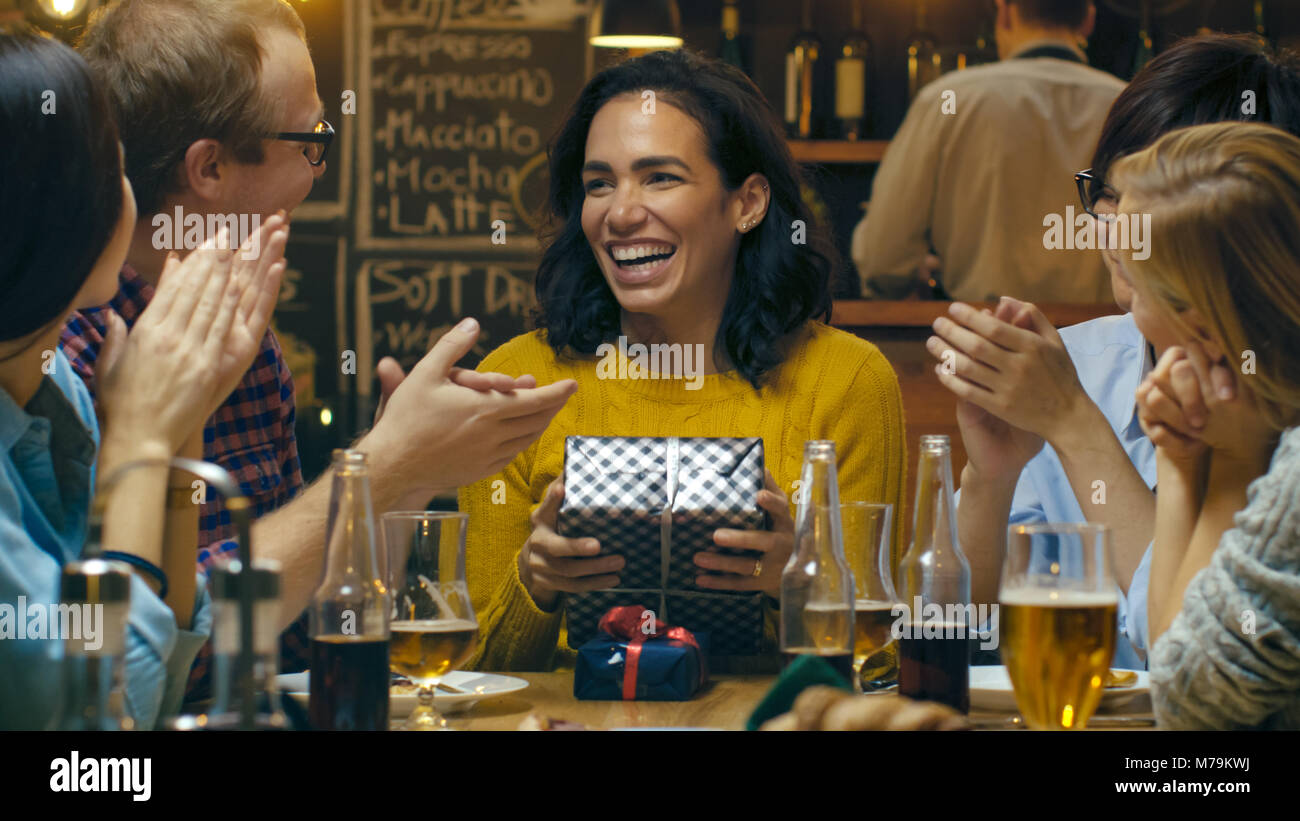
[[778, 284]]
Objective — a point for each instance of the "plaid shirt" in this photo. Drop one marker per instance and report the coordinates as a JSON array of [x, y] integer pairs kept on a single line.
[[251, 435]]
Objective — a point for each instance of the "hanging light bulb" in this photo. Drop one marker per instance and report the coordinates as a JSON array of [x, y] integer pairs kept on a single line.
[[636, 24]]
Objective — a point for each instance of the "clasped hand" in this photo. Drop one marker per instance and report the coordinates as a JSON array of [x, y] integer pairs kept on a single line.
[[1189, 404]]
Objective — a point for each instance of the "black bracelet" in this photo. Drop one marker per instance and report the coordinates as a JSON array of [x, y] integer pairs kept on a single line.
[[141, 564]]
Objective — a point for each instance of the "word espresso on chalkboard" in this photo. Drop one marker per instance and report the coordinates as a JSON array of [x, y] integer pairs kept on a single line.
[[457, 116], [450, 14]]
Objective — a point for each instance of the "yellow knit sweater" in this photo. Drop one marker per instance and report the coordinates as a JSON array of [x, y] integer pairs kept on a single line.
[[833, 385]]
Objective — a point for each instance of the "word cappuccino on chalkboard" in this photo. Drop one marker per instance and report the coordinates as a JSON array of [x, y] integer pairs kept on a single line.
[[460, 108]]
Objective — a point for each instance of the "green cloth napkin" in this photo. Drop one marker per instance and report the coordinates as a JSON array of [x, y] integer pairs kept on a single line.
[[799, 675]]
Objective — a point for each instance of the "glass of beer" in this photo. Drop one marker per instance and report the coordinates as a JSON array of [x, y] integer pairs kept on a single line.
[[1058, 621], [867, 539], [433, 626]]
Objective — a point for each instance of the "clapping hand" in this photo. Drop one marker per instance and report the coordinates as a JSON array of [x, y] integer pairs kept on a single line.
[[997, 449], [193, 343]]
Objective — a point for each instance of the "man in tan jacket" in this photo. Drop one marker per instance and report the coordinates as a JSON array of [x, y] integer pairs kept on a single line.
[[983, 165]]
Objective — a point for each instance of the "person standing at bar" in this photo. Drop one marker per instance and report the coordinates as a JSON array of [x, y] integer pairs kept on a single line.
[[220, 115], [969, 177]]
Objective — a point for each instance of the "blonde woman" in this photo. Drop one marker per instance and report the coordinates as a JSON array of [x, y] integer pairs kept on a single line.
[[1224, 600]]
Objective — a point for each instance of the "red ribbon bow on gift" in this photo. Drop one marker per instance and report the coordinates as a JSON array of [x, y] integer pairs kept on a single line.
[[634, 624]]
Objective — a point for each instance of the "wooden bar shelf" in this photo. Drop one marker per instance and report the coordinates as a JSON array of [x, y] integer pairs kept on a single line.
[[842, 152]]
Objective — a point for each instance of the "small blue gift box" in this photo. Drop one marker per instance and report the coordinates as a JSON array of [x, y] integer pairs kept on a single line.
[[668, 665]]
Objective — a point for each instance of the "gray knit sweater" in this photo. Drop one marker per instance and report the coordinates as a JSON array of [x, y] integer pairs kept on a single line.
[[1208, 671]]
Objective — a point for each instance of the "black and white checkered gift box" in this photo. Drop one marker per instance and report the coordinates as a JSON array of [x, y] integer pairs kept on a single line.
[[656, 502]]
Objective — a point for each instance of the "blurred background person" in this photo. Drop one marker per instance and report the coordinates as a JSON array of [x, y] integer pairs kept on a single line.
[[977, 166]]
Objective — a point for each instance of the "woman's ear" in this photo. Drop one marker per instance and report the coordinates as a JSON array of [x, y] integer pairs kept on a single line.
[[754, 196]]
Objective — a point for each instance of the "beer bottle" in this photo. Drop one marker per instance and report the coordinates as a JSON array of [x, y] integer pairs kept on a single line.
[[349, 610], [730, 50], [924, 62], [91, 680], [817, 589], [229, 711], [851, 73], [800, 69], [934, 583]]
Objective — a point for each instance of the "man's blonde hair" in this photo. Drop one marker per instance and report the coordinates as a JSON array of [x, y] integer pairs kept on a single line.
[[179, 71], [1224, 201]]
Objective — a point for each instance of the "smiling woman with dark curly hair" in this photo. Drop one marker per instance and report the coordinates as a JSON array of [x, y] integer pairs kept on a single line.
[[682, 285]]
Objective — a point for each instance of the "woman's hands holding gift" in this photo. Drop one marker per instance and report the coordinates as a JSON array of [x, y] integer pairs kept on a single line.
[[550, 564], [775, 545]]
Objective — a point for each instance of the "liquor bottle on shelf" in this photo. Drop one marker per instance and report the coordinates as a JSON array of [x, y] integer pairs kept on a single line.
[[800, 68], [91, 681], [349, 612], [851, 72], [731, 51], [924, 63], [1145, 47], [228, 710], [934, 584], [817, 591]]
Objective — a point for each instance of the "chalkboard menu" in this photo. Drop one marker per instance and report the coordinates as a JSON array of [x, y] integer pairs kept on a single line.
[[457, 100]]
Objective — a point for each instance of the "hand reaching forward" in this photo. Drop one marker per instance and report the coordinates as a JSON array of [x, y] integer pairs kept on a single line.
[[193, 343], [437, 434]]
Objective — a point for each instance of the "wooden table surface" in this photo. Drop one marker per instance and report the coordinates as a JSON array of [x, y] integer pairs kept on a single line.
[[726, 705]]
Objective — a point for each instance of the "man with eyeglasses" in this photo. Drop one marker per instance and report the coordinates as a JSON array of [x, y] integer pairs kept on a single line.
[[968, 180], [219, 115]]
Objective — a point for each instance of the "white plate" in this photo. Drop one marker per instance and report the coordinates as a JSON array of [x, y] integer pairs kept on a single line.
[[990, 689], [402, 701]]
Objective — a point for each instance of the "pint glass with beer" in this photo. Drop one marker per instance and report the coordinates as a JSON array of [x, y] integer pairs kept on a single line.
[[1058, 622]]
